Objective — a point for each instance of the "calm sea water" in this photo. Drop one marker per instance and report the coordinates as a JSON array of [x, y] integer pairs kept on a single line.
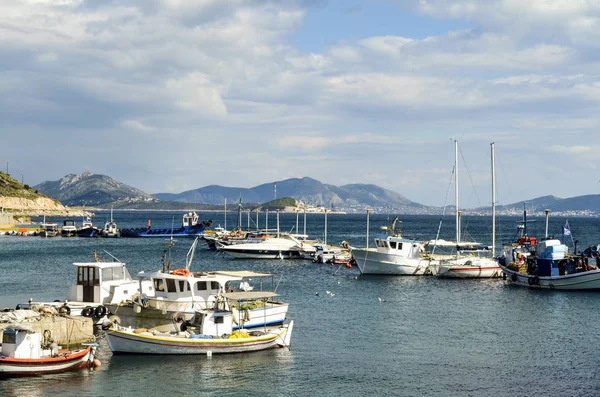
[[428, 336]]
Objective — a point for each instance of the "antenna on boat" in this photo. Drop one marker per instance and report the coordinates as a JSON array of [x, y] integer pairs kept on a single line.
[[190, 255], [112, 256]]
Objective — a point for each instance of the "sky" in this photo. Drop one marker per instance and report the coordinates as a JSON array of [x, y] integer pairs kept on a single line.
[[174, 95]]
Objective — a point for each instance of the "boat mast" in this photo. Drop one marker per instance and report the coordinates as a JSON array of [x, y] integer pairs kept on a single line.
[[225, 215], [456, 191], [305, 221], [297, 231], [325, 226], [368, 229], [493, 200]]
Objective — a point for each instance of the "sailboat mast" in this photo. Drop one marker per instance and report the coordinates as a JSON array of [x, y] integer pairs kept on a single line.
[[225, 215], [456, 191], [325, 226], [493, 200]]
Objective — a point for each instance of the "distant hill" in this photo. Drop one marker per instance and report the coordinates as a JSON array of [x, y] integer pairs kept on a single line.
[[587, 203], [90, 189], [305, 189]]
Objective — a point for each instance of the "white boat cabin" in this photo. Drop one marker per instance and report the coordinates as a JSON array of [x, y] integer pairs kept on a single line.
[[102, 282], [20, 343], [190, 219], [398, 246], [182, 290]]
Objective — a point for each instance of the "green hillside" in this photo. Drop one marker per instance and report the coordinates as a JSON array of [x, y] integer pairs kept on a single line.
[[10, 187]]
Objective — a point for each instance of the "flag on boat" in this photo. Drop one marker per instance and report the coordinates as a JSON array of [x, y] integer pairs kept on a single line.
[[566, 229]]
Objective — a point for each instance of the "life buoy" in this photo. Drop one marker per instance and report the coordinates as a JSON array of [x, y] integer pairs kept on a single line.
[[181, 272], [100, 311]]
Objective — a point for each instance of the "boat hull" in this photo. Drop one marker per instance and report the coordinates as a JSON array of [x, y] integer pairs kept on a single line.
[[262, 254], [14, 367], [588, 280], [271, 314], [373, 262], [476, 268], [128, 342]]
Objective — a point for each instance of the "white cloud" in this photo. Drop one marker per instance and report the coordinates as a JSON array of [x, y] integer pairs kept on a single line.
[[223, 77]]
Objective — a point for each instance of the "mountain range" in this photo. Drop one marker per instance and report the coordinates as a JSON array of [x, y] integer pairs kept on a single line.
[[102, 191]]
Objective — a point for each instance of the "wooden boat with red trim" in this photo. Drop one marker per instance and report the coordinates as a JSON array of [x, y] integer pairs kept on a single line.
[[209, 332], [24, 354]]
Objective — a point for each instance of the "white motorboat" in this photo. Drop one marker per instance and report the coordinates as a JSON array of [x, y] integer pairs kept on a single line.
[[69, 228], [393, 255], [282, 247]]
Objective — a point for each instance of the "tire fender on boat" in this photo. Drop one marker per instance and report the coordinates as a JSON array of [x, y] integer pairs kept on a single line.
[[100, 311], [513, 277], [65, 310], [536, 280], [88, 311]]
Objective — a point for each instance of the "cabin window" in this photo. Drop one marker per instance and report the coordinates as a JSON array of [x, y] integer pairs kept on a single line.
[[219, 320], [87, 276], [9, 337], [214, 285], [201, 286], [183, 286], [112, 273], [171, 285], [393, 245], [159, 284], [399, 246]]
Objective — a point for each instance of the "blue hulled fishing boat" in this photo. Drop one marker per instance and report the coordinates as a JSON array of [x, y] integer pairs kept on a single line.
[[190, 227]]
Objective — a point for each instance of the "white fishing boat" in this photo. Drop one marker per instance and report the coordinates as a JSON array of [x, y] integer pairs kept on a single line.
[[393, 255], [110, 227], [25, 353], [208, 332], [69, 228], [165, 293], [97, 284], [49, 229], [470, 260]]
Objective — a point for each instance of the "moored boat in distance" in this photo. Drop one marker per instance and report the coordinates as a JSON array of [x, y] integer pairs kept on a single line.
[[190, 227], [49, 229], [87, 228], [69, 228]]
